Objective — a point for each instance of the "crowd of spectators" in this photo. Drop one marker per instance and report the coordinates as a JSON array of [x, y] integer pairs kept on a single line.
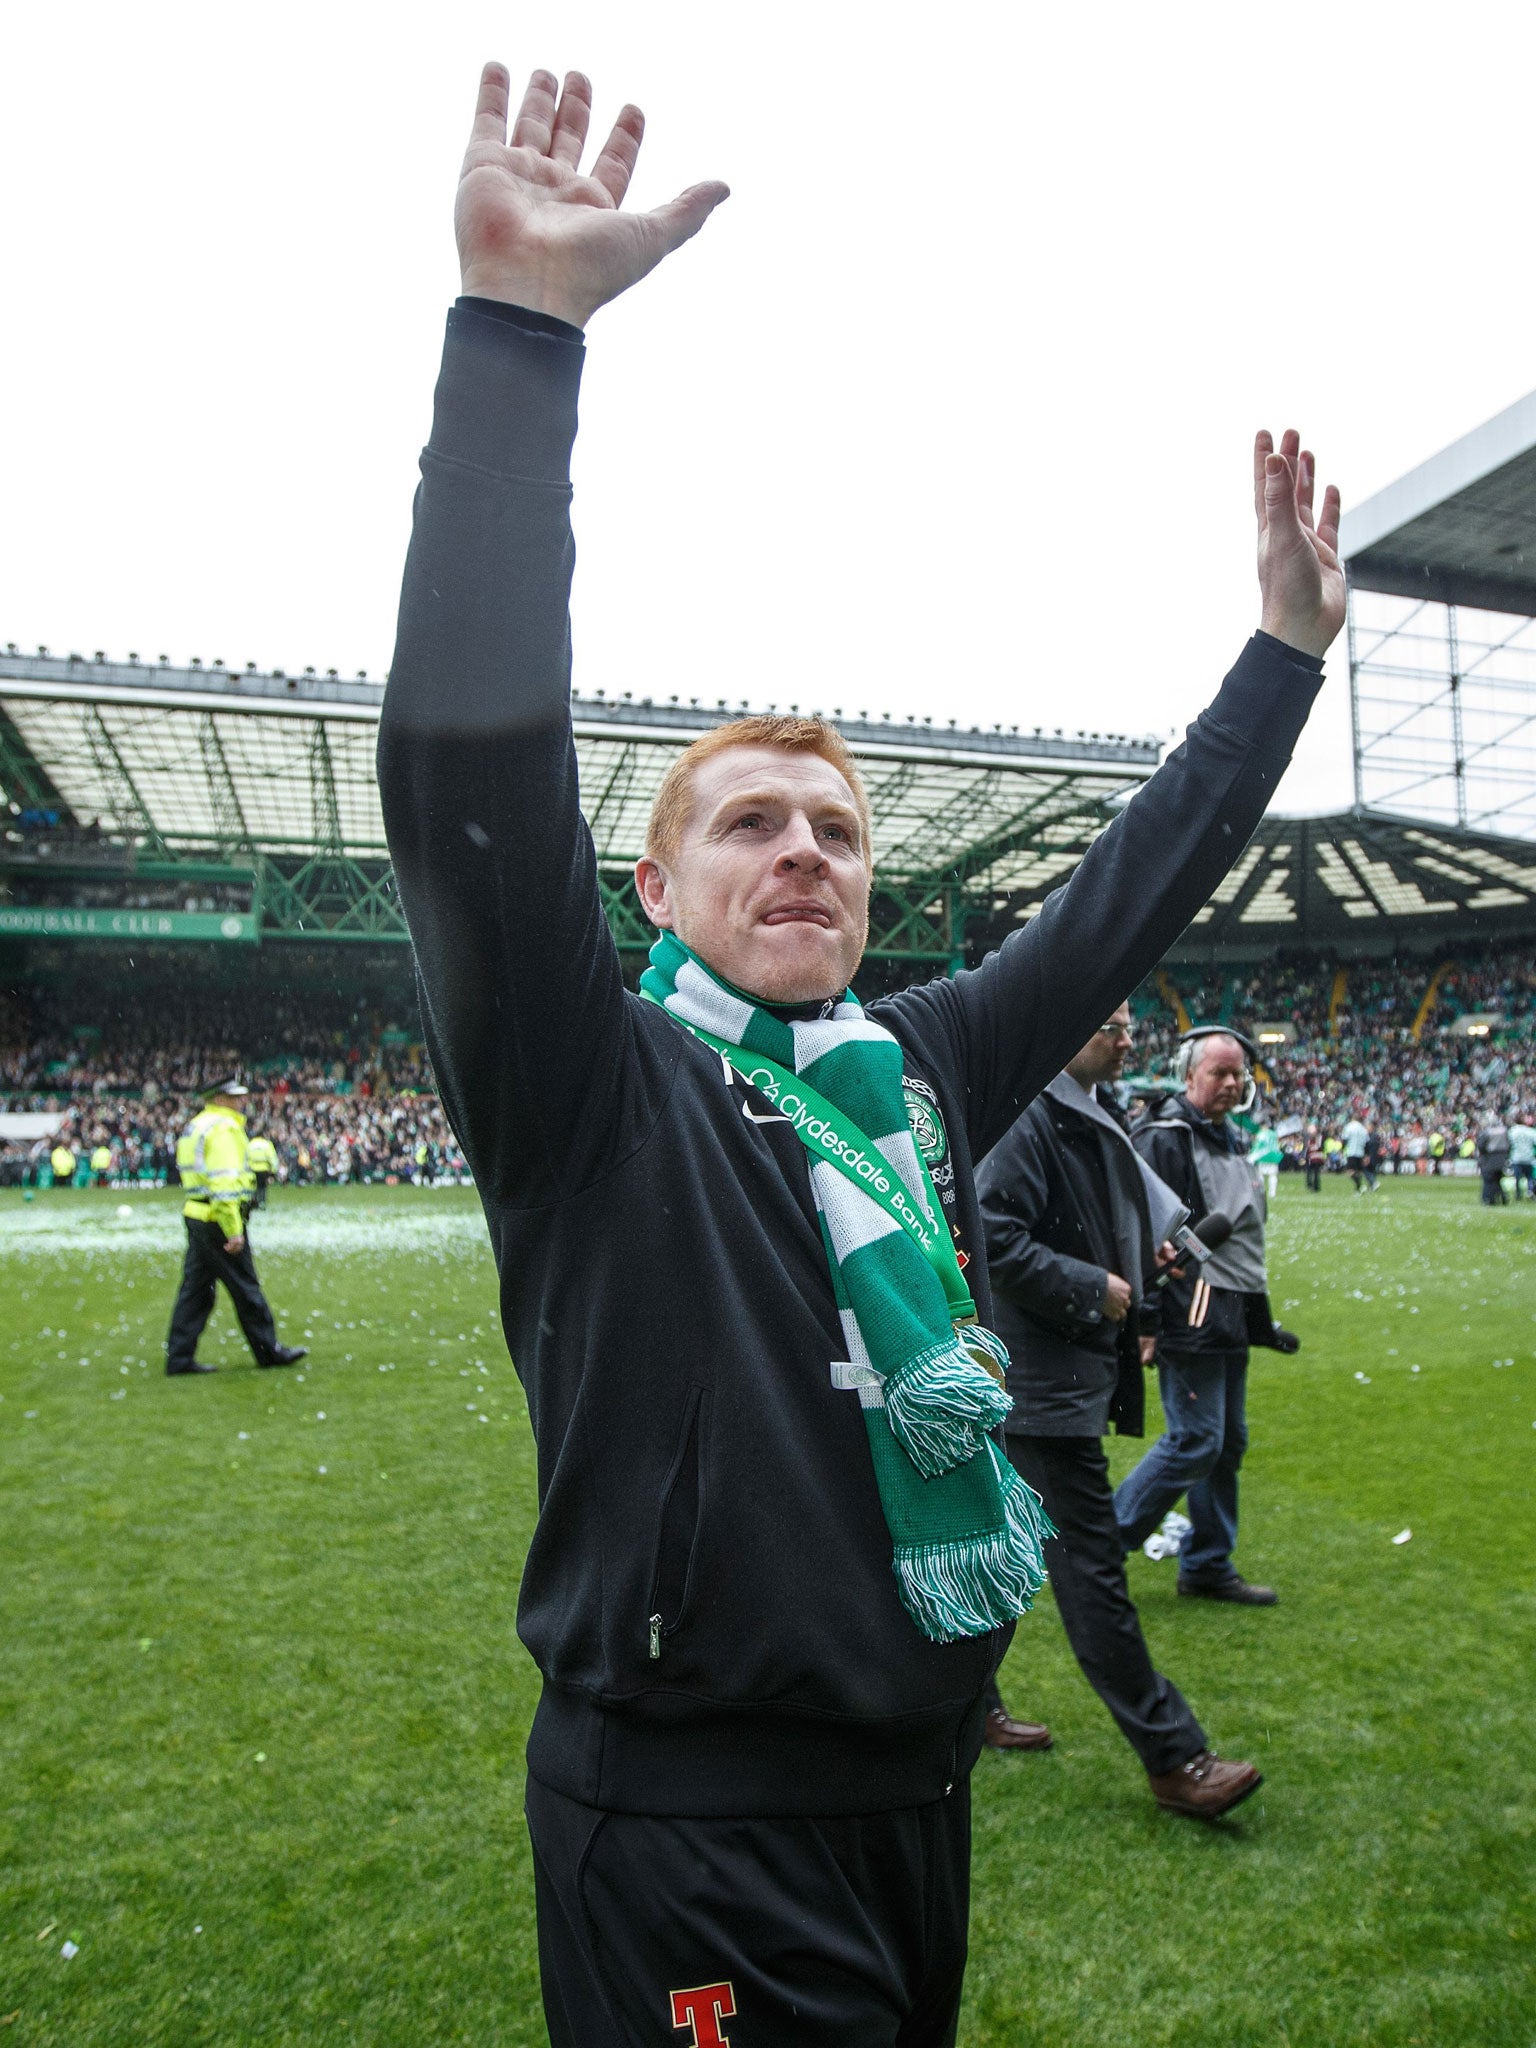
[[342, 1085], [320, 1137], [1355, 1052]]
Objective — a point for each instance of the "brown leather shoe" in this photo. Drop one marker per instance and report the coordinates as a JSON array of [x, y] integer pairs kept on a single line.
[[1001, 1731], [1206, 1787]]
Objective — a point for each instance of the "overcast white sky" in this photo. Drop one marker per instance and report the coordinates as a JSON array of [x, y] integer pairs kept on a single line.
[[947, 411]]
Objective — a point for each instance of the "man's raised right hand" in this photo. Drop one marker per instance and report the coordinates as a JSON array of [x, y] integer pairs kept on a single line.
[[532, 230]]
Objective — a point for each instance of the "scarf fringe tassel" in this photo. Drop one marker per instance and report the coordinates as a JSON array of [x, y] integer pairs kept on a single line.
[[977, 1337], [941, 1404], [973, 1584]]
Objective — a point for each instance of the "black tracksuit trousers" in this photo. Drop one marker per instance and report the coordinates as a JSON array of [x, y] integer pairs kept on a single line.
[[656, 1932], [1086, 1561], [206, 1264]]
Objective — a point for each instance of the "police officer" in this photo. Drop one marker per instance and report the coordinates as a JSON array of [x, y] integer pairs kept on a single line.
[[62, 1160], [1207, 1319], [261, 1170], [212, 1160]]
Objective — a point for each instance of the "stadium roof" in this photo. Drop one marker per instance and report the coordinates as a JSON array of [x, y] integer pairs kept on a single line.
[[269, 771], [1358, 881], [1363, 876], [1459, 529], [194, 755], [176, 762]]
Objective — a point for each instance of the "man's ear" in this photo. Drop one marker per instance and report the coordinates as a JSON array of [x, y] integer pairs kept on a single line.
[[654, 891]]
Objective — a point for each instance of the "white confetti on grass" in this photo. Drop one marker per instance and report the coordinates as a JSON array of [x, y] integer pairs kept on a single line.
[[1403, 1536], [315, 1229]]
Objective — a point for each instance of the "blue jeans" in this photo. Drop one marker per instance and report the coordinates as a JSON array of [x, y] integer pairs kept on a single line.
[[1204, 1400]]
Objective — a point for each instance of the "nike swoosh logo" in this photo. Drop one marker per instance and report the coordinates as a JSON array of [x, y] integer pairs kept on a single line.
[[753, 1118]]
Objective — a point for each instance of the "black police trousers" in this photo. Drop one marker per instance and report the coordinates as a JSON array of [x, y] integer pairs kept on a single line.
[[206, 1264], [674, 1933]]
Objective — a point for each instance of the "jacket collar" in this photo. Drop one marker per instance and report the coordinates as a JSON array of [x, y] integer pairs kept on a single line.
[[1219, 1135], [1068, 1095]]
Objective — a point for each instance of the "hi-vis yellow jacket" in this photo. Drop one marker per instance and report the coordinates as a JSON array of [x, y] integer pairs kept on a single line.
[[211, 1157], [261, 1157]]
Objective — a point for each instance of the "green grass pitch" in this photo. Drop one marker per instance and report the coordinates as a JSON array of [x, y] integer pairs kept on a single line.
[[262, 1706]]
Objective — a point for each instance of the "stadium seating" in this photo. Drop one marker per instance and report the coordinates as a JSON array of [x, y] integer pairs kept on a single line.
[[340, 1083], [345, 1091], [1360, 1045]]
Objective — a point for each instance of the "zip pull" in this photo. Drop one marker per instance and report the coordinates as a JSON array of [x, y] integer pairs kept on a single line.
[[655, 1636]]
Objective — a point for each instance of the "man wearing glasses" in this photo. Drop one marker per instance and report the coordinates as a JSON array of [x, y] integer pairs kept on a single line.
[[1073, 1220]]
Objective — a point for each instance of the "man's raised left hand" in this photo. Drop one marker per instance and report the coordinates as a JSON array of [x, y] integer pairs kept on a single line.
[[1300, 576]]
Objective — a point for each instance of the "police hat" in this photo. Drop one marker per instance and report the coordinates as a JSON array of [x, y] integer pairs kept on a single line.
[[230, 1085]]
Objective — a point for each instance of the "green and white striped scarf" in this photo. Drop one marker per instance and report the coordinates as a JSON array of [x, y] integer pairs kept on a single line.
[[966, 1531]]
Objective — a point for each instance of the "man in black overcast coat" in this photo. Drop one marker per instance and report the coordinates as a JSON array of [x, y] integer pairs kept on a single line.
[[1071, 1248]]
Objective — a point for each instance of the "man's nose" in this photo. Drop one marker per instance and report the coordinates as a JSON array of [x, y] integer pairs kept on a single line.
[[801, 848]]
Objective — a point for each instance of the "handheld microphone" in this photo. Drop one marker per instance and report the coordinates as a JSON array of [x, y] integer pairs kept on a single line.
[[1197, 1241]]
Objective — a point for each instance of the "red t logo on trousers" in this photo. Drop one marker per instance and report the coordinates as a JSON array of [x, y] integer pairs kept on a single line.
[[702, 2009]]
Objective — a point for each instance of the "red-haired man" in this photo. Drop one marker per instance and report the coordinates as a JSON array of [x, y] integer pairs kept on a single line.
[[778, 1553]]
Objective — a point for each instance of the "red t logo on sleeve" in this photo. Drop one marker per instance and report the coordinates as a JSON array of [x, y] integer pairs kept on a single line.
[[701, 2010]]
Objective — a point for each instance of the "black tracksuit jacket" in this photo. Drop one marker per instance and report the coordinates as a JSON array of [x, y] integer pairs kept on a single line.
[[708, 1593]]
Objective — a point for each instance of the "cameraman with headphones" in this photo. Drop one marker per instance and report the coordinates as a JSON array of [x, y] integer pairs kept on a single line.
[[1210, 1315]]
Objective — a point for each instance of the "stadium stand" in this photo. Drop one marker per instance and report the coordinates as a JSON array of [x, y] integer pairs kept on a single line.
[[341, 1086], [1388, 1041], [345, 1091], [193, 876]]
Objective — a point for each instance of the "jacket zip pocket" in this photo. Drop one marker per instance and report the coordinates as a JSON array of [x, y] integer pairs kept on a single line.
[[677, 1537]]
